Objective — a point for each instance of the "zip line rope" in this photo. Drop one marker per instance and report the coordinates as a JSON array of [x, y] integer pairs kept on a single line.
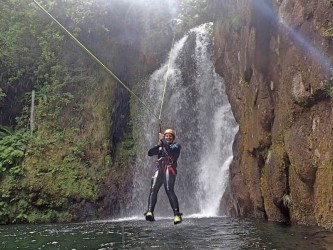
[[166, 77], [95, 58]]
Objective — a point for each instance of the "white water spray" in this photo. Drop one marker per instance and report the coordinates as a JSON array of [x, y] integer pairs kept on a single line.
[[197, 107]]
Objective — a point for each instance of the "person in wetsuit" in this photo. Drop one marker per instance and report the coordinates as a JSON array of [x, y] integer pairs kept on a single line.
[[167, 152]]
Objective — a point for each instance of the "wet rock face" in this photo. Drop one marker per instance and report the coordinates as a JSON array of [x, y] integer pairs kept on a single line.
[[275, 56]]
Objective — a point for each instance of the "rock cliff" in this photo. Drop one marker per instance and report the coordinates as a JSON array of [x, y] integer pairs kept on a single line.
[[275, 57]]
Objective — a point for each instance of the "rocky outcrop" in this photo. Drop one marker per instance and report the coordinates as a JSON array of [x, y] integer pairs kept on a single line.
[[275, 58]]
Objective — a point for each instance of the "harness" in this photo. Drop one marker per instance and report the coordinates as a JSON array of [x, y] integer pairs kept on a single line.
[[168, 164], [172, 170]]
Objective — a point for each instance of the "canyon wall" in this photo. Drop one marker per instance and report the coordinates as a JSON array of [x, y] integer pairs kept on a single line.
[[275, 58]]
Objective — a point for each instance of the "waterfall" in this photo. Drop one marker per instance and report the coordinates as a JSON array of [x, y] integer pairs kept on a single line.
[[196, 106]]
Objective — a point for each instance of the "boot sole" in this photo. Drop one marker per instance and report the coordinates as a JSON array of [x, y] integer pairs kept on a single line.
[[150, 218], [177, 222]]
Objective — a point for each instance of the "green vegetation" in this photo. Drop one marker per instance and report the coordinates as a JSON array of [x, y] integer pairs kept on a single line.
[[328, 32], [125, 157], [2, 94], [43, 175], [12, 149], [242, 82], [194, 12], [329, 87]]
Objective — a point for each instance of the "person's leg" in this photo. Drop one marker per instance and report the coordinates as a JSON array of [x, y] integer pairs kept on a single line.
[[169, 184], [156, 183]]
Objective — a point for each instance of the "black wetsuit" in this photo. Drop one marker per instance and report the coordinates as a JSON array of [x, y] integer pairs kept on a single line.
[[166, 171]]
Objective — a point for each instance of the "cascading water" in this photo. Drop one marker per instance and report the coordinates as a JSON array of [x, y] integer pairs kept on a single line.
[[197, 107]]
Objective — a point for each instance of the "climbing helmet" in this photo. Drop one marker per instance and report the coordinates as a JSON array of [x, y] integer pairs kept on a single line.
[[170, 131]]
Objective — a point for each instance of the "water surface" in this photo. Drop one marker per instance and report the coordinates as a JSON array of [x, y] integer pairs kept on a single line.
[[193, 233]]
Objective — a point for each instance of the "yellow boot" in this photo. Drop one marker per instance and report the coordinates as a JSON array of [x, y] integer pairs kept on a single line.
[[177, 218], [149, 216]]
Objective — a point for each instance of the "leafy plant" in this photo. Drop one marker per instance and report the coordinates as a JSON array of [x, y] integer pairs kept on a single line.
[[12, 148], [2, 94], [4, 212]]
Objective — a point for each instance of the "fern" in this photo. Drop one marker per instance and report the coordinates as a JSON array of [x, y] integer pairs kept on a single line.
[[12, 149]]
